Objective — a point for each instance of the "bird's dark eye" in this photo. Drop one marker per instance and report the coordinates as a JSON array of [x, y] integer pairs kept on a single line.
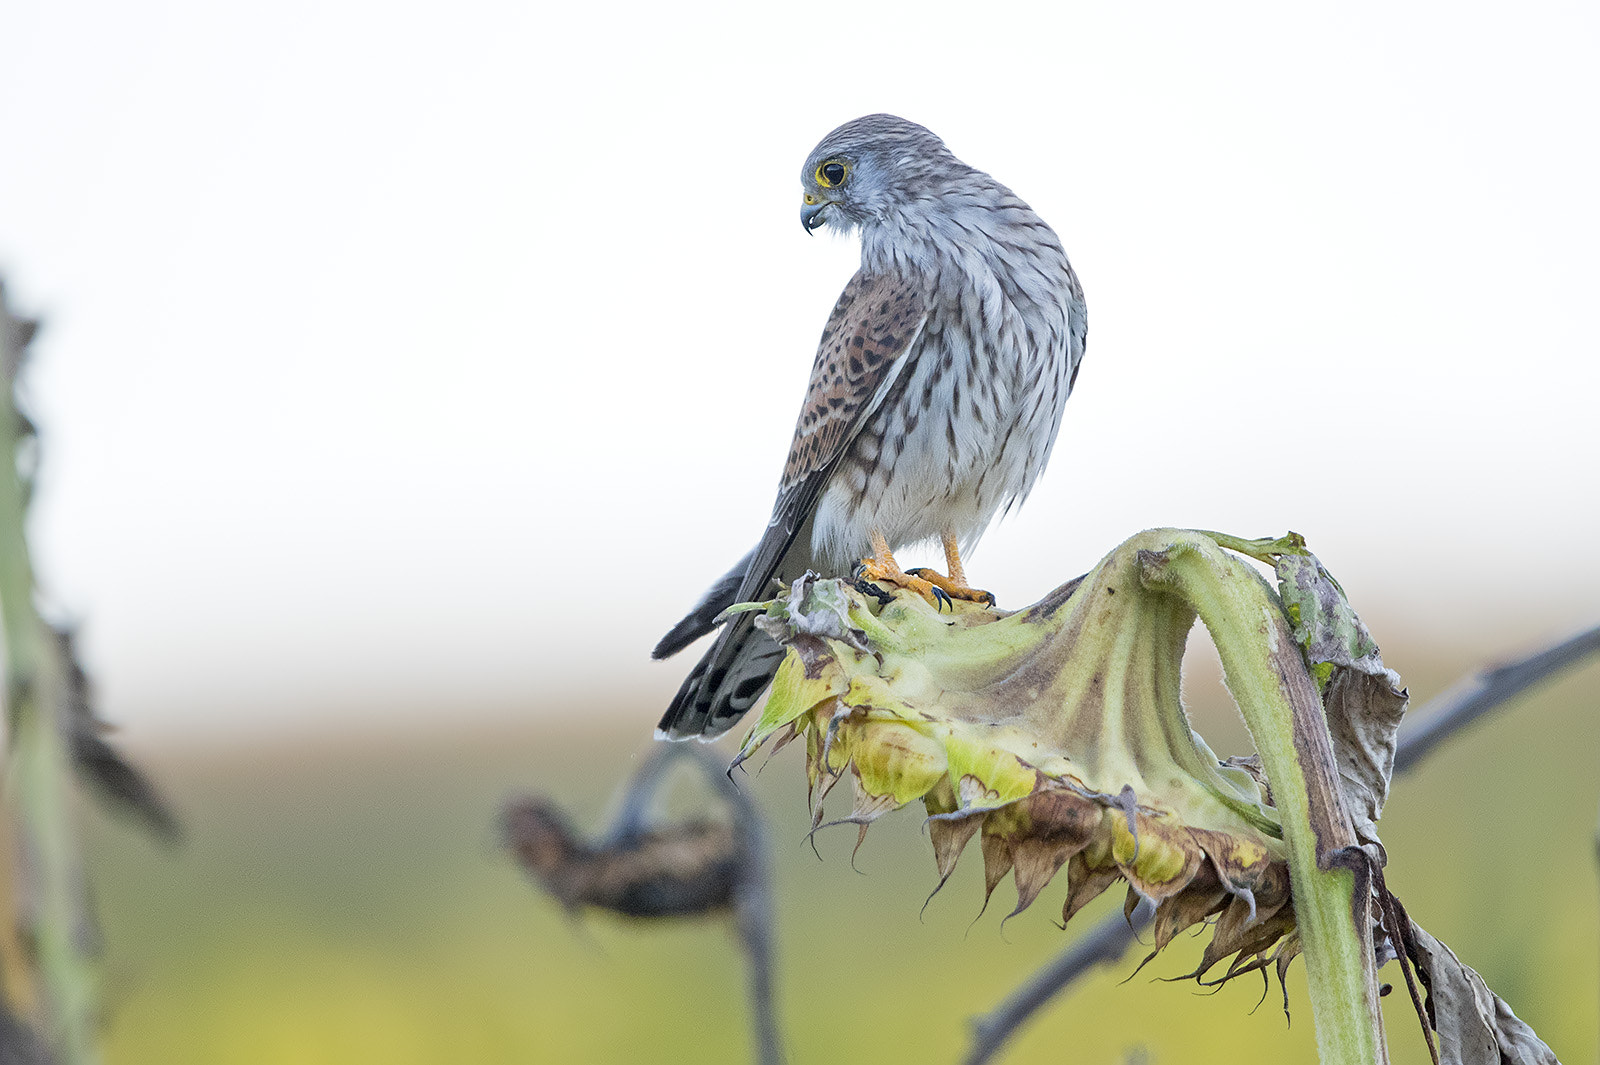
[[831, 174]]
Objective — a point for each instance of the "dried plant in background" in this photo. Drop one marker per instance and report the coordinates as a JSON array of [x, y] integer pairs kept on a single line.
[[645, 868], [54, 740]]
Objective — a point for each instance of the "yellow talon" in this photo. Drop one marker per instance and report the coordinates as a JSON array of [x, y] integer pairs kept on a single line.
[[951, 587], [936, 588]]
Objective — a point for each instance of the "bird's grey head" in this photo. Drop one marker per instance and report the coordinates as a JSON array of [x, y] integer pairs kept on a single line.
[[869, 169]]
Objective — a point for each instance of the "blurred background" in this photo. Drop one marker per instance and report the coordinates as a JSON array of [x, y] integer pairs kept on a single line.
[[406, 371]]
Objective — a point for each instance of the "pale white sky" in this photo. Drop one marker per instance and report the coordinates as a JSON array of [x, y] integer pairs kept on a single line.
[[437, 357]]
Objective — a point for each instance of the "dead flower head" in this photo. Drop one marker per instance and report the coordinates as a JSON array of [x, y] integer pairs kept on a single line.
[[1055, 735]]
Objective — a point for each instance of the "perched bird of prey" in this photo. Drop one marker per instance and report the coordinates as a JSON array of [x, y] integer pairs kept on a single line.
[[934, 400]]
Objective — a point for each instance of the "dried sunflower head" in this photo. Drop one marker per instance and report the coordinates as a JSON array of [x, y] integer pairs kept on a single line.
[[1055, 735]]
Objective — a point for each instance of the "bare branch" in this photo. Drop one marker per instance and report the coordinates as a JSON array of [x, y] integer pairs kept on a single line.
[[754, 911], [1107, 942], [1470, 699]]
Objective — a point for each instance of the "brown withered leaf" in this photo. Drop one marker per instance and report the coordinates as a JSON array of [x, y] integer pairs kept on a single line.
[[1186, 910], [950, 829], [1474, 1025], [122, 785], [1364, 712], [1363, 699], [1085, 883], [16, 334]]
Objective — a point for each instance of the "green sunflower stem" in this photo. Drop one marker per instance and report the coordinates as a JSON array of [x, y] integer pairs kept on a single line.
[[1275, 692]]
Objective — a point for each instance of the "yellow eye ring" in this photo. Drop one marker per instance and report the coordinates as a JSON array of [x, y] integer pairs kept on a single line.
[[831, 174]]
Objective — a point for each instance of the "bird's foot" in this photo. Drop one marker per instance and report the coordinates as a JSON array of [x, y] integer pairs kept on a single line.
[[952, 588], [936, 588], [872, 570]]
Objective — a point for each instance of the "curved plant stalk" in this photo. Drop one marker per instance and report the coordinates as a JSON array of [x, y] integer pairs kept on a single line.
[[1269, 680], [1057, 737]]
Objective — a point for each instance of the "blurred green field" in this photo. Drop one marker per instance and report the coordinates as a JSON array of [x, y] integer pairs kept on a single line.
[[346, 901]]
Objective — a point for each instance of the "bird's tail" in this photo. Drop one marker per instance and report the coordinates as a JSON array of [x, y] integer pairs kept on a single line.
[[724, 684], [740, 664], [703, 618]]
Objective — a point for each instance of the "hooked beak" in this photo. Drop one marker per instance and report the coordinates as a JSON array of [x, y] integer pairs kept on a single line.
[[811, 214]]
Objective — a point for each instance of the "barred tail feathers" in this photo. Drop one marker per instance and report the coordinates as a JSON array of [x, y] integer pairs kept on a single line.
[[731, 676], [724, 684]]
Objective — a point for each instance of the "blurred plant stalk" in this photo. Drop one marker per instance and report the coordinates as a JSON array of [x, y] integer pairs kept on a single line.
[[46, 870], [649, 869], [1056, 734]]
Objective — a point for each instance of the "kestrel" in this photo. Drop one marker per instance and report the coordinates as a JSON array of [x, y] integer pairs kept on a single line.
[[934, 400]]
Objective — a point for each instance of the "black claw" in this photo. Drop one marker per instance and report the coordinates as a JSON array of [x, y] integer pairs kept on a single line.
[[868, 588], [941, 599]]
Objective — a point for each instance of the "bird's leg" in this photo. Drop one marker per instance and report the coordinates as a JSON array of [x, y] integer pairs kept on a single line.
[[952, 558], [955, 585], [881, 566]]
